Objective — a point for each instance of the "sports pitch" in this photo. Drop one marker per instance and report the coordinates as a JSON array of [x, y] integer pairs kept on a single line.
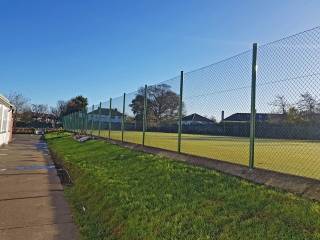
[[296, 157]]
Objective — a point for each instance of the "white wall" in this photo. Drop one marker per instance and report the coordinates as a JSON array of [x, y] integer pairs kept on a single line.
[[5, 116], [104, 118]]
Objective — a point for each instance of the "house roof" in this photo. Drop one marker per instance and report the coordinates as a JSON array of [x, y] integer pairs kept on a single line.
[[105, 111], [4, 101], [196, 118], [245, 117]]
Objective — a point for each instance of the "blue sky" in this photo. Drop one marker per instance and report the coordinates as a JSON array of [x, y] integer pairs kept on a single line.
[[51, 50]]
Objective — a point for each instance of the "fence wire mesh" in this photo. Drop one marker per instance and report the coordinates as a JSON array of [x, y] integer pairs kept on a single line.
[[288, 88], [216, 110], [133, 118], [162, 114], [213, 98]]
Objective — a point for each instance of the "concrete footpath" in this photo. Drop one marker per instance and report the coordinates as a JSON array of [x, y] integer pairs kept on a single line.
[[32, 204]]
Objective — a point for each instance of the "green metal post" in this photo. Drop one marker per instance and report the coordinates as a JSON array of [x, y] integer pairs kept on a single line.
[[78, 121], [72, 120], [69, 122], [92, 120], [180, 112], [123, 116], [82, 121], [253, 105], [75, 122], [99, 127], [110, 115], [144, 120], [85, 120]]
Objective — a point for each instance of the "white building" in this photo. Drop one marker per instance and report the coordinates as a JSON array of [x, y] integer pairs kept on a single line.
[[104, 115], [6, 121]]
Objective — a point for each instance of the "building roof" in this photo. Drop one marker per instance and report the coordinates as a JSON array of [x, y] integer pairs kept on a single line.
[[245, 117], [105, 111], [196, 118], [4, 101]]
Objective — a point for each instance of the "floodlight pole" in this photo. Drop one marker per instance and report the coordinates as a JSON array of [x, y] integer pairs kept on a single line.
[[110, 115], [144, 120], [123, 116], [92, 115], [180, 112], [253, 105], [99, 120], [85, 121]]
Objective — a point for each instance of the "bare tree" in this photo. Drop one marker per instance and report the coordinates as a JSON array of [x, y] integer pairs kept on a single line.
[[20, 102], [307, 103], [281, 104], [60, 109], [22, 107], [39, 110]]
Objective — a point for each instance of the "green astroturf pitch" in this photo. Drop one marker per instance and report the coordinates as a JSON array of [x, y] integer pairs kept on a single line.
[[298, 157]]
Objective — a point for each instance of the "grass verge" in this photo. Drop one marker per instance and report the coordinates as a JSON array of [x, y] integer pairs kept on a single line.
[[124, 194]]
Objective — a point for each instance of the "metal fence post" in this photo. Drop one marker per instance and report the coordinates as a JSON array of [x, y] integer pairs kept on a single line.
[[72, 121], [99, 126], [253, 105], [92, 118], [123, 116], [82, 120], [85, 120], [110, 115], [180, 112], [78, 121], [144, 117]]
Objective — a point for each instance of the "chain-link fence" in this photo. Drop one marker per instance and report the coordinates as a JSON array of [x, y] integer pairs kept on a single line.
[[260, 108]]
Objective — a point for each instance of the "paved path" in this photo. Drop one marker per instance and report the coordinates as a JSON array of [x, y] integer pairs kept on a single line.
[[32, 204]]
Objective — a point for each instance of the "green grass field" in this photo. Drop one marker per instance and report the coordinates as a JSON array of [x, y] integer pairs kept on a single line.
[[124, 194], [294, 157]]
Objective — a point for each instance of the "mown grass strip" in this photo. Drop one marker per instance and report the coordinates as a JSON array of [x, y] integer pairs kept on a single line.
[[123, 194]]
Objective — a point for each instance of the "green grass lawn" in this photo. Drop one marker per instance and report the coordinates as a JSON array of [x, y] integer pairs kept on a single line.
[[294, 157], [124, 194]]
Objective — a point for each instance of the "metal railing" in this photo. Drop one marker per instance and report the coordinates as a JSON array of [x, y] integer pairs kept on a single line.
[[231, 110]]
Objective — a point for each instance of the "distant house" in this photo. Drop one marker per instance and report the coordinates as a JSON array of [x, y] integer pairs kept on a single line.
[[105, 115], [6, 120], [260, 117], [196, 119], [43, 117]]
